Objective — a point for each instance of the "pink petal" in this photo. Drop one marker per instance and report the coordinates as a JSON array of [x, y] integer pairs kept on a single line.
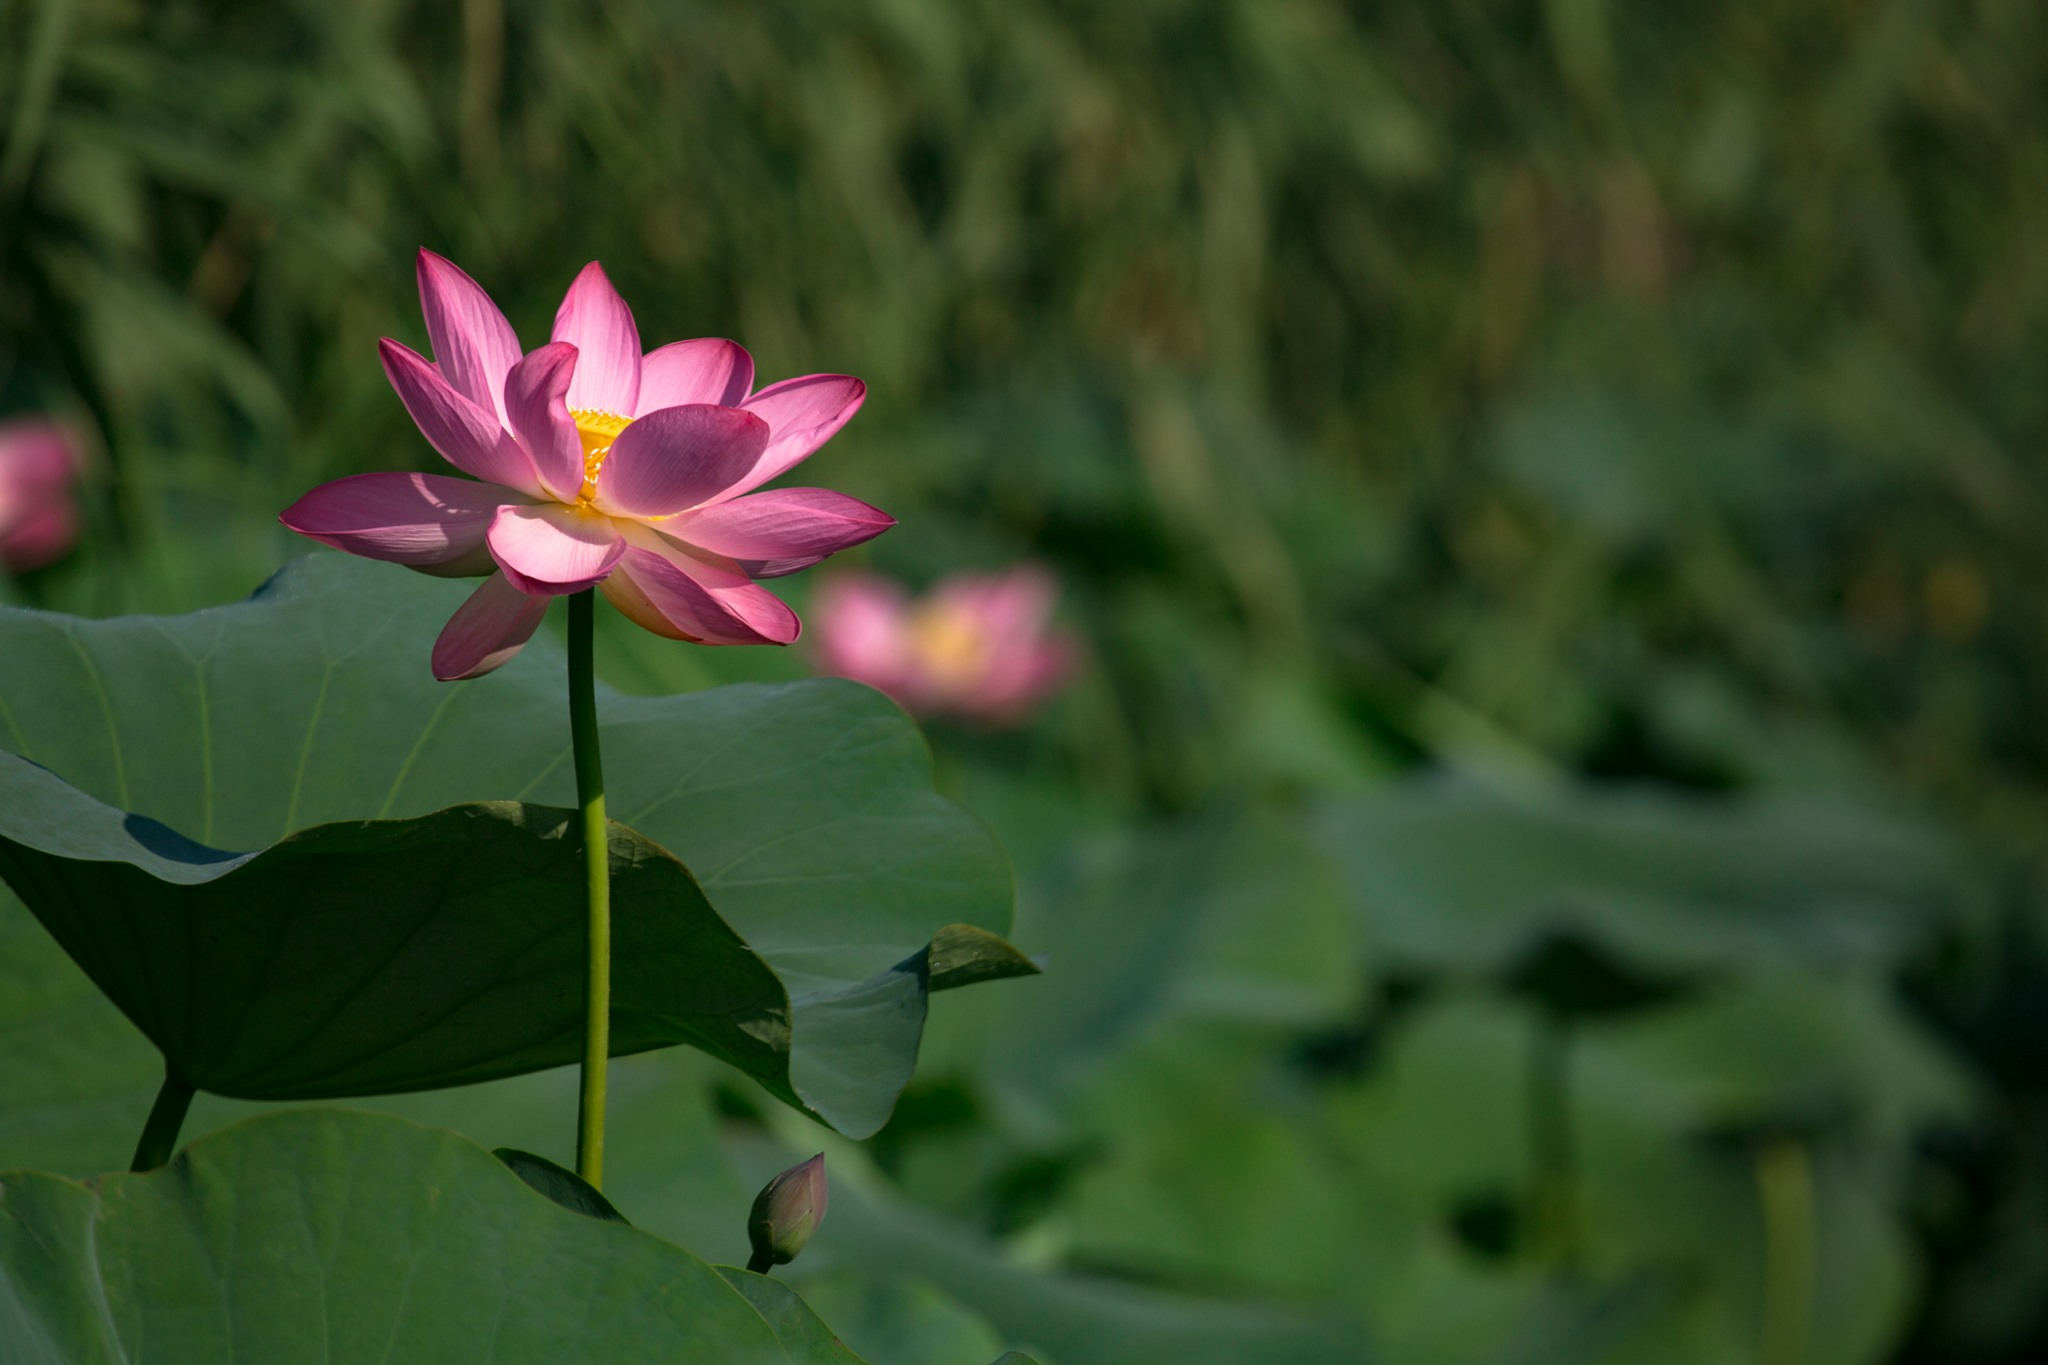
[[1024, 660], [777, 568], [1037, 673], [785, 524], [802, 414], [41, 537], [468, 436], [36, 453], [661, 591], [595, 320], [548, 548], [708, 370], [1014, 604], [536, 407], [622, 590], [486, 630], [429, 521], [475, 346], [760, 611], [861, 630], [678, 457], [768, 617]]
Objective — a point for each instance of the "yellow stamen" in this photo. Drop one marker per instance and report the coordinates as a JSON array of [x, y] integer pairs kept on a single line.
[[597, 430], [950, 644]]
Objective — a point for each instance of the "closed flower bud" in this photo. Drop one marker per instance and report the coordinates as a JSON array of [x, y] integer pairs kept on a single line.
[[786, 1213]]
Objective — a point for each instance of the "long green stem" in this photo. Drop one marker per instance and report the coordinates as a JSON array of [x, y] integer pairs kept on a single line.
[[597, 997], [1556, 1203], [1784, 1178], [166, 1117]]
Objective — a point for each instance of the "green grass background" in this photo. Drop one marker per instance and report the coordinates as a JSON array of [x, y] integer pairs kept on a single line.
[[1599, 406]]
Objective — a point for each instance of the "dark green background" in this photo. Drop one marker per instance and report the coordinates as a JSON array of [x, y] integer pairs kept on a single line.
[[1550, 490]]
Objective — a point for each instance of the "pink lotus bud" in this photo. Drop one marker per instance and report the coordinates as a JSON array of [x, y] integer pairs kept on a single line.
[[977, 646], [786, 1212], [39, 463]]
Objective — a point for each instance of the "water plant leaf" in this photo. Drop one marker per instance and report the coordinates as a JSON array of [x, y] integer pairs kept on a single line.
[[1065, 1315], [961, 955], [337, 1237], [900, 1319], [156, 746], [559, 1183], [380, 956], [794, 1321], [1451, 878]]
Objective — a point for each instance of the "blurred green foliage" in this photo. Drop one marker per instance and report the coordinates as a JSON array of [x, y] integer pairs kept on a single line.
[[1569, 395]]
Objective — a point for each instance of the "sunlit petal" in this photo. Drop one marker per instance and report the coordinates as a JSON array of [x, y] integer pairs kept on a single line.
[[467, 436], [473, 344], [677, 458], [427, 521], [595, 320], [707, 370], [548, 548]]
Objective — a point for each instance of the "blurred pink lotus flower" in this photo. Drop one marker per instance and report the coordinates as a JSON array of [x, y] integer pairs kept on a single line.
[[39, 464], [595, 465], [977, 646]]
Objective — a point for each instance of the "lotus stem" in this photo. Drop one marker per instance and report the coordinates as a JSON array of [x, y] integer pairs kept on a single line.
[[597, 996], [1784, 1178], [166, 1117], [1556, 1202]]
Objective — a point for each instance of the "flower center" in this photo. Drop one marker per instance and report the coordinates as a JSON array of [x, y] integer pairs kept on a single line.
[[950, 645], [597, 430]]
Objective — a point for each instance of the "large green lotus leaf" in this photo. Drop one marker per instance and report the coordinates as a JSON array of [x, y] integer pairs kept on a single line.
[[1055, 1315], [1233, 915], [806, 808], [379, 956], [75, 1077], [388, 955], [343, 1237], [670, 1168], [793, 1320], [1230, 928], [1452, 878], [683, 1170], [900, 1320]]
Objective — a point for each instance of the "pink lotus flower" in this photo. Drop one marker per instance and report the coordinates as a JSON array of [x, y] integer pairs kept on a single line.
[[977, 646], [39, 463], [595, 465]]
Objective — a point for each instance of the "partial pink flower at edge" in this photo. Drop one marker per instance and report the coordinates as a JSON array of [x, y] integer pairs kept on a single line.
[[593, 464], [979, 646], [40, 462]]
